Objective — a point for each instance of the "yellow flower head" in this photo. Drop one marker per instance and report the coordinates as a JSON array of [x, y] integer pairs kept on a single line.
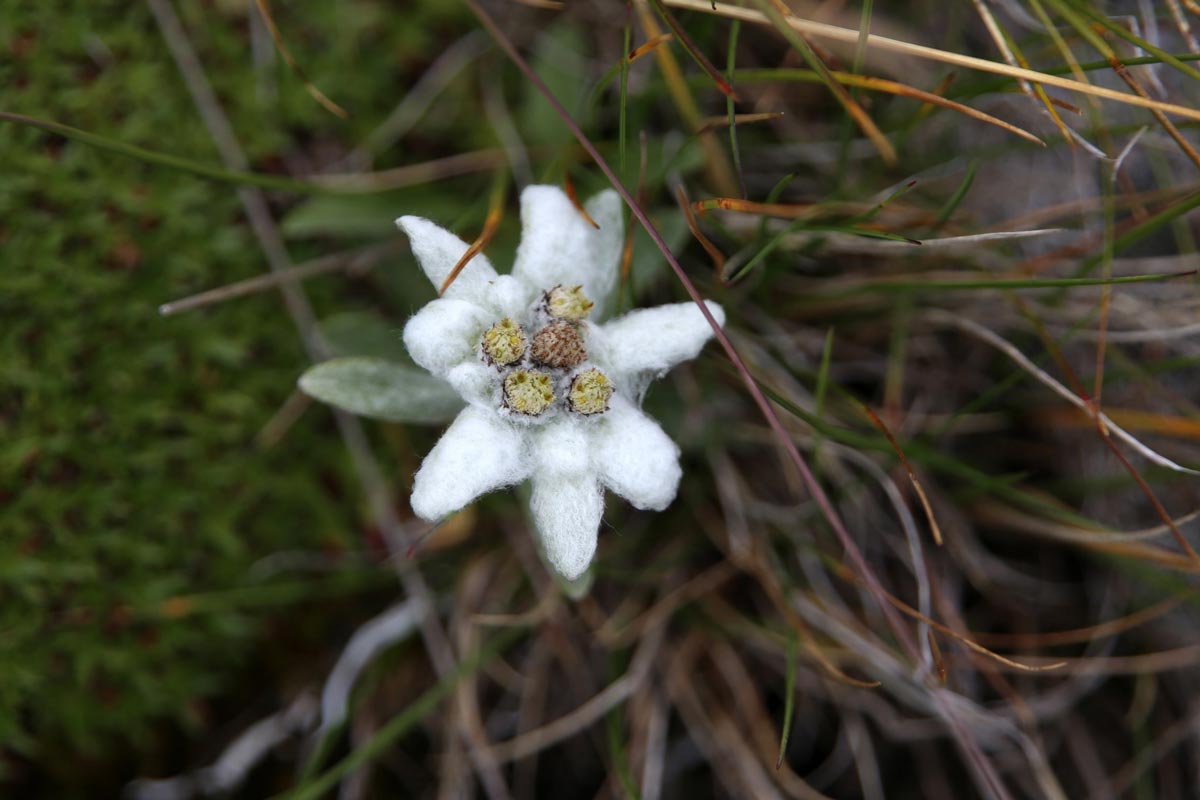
[[569, 304], [504, 342], [527, 391], [590, 392]]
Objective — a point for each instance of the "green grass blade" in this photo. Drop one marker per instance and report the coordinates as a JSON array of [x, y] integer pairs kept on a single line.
[[1136, 40], [956, 199], [773, 196], [997, 283], [803, 226], [961, 89], [734, 29], [165, 159], [876, 209], [789, 700], [1144, 229], [820, 394], [919, 452], [860, 56], [866, 233], [623, 100], [864, 32], [693, 50], [619, 751], [864, 121], [822, 391], [1081, 27]]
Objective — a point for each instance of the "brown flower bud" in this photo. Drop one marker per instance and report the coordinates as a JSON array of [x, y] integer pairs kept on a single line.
[[558, 345]]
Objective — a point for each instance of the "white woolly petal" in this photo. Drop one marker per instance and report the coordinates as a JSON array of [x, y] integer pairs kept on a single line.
[[477, 454], [445, 333], [438, 251], [634, 457], [566, 512], [508, 297], [560, 447], [558, 246], [652, 340], [475, 382]]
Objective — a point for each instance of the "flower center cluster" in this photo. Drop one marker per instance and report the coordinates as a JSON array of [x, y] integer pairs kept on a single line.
[[538, 369]]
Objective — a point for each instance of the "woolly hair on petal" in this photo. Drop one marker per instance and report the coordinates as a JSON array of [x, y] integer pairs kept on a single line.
[[561, 248], [477, 454], [507, 297], [566, 514], [652, 340], [444, 333], [561, 448], [474, 382], [438, 251], [634, 457]]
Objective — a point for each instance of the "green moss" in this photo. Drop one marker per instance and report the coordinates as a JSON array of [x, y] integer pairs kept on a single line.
[[128, 473]]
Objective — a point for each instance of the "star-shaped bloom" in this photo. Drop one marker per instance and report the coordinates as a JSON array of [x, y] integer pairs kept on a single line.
[[552, 396]]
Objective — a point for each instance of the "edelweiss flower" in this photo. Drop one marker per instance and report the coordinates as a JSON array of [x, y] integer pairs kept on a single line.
[[552, 396]]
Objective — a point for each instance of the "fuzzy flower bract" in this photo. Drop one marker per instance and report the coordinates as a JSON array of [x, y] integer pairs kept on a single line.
[[564, 414]]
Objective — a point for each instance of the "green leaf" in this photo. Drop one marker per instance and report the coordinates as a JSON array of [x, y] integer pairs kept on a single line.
[[648, 266], [372, 216], [368, 216], [373, 387], [363, 333]]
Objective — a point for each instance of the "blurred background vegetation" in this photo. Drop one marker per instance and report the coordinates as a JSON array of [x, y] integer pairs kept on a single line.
[[186, 545]]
